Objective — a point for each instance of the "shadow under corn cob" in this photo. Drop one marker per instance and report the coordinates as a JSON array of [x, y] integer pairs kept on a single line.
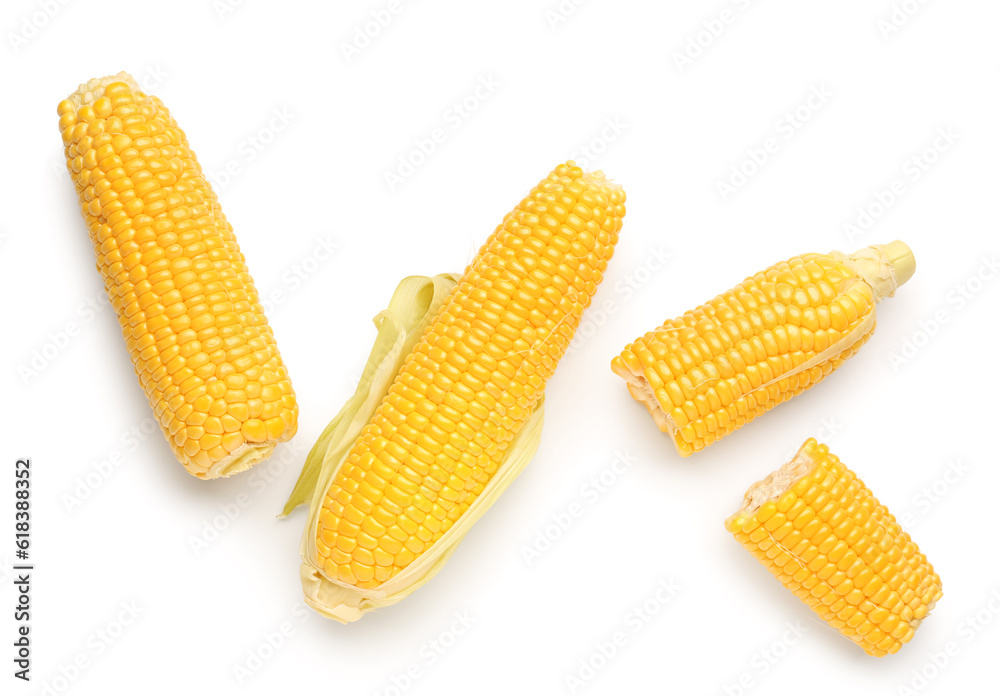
[[191, 317]]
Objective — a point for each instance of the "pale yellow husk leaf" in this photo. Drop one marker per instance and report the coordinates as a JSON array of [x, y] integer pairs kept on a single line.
[[413, 307]]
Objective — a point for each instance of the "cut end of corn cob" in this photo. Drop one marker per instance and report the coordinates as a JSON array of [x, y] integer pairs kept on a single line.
[[816, 527], [901, 260], [189, 312], [884, 267], [712, 370], [774, 485]]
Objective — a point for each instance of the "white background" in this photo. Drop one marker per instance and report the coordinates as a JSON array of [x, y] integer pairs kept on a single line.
[[897, 421]]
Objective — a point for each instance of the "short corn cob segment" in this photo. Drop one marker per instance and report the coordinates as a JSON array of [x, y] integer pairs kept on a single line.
[[822, 533], [716, 368], [443, 432], [188, 309]]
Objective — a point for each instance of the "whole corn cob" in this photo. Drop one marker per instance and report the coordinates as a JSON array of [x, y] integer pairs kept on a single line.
[[716, 368], [188, 309], [438, 449], [822, 533]]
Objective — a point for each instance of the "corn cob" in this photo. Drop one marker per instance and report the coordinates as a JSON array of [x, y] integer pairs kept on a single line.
[[446, 438], [822, 533], [187, 306], [716, 368]]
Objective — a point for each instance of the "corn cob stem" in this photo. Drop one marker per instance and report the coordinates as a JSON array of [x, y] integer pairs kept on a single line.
[[188, 309], [818, 529]]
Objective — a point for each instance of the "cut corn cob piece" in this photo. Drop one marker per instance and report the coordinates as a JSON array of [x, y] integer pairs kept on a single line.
[[822, 533], [461, 418], [188, 309], [716, 368]]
